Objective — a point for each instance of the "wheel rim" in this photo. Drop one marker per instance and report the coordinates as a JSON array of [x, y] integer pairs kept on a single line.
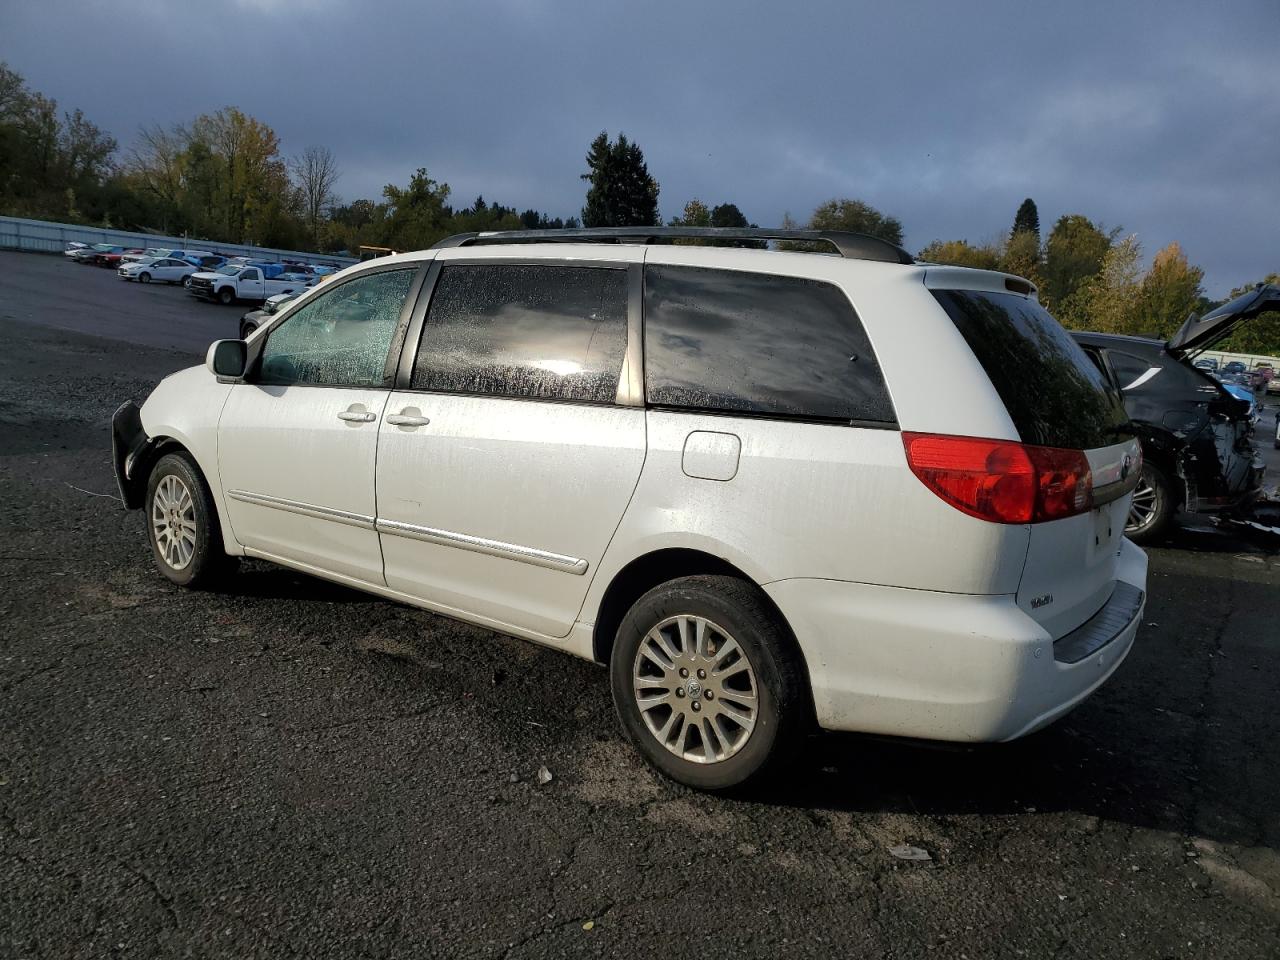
[[173, 520], [695, 689], [1146, 501], [144, 277]]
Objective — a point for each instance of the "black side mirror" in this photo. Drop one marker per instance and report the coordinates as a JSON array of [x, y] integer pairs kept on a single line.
[[227, 359]]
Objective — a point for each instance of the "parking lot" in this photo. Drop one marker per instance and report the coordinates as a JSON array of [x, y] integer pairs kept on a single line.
[[289, 768]]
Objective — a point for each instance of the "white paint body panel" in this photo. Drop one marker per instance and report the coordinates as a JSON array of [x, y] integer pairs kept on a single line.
[[548, 477], [288, 443]]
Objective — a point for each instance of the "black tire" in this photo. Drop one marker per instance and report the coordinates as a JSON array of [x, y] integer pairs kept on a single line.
[[739, 610], [207, 562], [144, 277], [226, 297], [1148, 524], [246, 329]]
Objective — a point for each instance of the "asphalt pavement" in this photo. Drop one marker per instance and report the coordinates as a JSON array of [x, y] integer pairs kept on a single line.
[[287, 768]]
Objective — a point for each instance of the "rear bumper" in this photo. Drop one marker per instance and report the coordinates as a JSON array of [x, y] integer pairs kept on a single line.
[[938, 666]]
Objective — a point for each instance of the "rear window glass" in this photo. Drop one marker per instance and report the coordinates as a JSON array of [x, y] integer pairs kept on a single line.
[[1055, 396], [758, 344]]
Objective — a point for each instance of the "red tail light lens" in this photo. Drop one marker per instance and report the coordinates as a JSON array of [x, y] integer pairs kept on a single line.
[[1000, 480]]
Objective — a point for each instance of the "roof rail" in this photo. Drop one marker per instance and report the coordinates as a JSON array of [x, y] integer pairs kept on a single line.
[[851, 246]]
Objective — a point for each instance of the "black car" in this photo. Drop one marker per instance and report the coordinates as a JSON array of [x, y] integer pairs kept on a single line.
[[1197, 439]]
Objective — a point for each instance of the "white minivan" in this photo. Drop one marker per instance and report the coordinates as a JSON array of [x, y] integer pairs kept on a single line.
[[769, 489]]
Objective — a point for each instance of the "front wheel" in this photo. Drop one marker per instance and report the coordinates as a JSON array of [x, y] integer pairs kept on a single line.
[[705, 682], [182, 524], [225, 296], [1152, 507], [144, 278]]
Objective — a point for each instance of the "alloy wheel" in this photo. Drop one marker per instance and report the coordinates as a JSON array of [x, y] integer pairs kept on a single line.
[[695, 689], [1145, 505], [173, 519]]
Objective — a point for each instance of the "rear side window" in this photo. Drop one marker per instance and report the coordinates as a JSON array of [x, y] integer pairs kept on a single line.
[[758, 344], [1130, 370], [538, 331], [1055, 395]]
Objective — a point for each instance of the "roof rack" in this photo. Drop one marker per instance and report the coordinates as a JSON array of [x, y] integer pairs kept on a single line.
[[851, 246]]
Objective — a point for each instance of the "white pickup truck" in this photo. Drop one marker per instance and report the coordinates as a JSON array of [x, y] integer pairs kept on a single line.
[[254, 282]]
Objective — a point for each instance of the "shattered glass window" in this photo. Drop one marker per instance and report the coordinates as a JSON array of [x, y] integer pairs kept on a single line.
[[540, 331], [341, 338], [757, 344]]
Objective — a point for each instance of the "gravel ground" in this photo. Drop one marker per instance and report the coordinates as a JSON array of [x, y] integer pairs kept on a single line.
[[291, 769]]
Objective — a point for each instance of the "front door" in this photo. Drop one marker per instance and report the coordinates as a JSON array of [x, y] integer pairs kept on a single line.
[[296, 444], [507, 463]]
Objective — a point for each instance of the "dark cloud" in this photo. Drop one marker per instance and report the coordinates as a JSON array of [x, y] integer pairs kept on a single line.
[[1158, 117]]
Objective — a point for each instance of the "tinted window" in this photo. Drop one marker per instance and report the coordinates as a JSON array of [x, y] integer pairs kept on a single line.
[[541, 331], [342, 337], [1055, 396], [758, 344], [1128, 368]]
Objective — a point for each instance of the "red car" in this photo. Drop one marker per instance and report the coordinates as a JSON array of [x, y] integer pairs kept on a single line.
[[112, 258]]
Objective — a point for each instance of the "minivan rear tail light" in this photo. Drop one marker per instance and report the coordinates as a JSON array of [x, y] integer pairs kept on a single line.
[[1001, 480]]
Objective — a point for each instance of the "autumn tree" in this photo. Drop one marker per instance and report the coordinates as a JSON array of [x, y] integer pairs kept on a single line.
[[621, 191], [961, 253], [1021, 257], [1107, 300], [1170, 293]]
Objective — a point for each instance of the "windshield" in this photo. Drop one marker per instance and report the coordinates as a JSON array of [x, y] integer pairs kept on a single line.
[[1055, 395], [143, 261], [228, 271], [103, 247]]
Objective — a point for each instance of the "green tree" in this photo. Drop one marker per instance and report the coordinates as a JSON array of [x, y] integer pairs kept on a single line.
[[1170, 293], [621, 191], [1259, 335], [1026, 220], [417, 215], [1107, 300], [1073, 253], [858, 217], [695, 214], [961, 253], [728, 215]]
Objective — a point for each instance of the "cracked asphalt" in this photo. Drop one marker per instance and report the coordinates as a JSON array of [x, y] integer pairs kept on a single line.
[[291, 769]]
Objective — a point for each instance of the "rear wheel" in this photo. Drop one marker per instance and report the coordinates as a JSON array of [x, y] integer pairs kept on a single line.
[[182, 524], [1152, 508], [705, 682]]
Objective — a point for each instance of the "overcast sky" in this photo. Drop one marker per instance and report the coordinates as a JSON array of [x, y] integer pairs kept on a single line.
[[1160, 117]]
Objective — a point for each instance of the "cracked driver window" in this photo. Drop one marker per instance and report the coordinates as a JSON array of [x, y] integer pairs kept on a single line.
[[341, 338]]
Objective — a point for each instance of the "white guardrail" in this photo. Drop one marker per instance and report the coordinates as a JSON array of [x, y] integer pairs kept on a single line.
[[43, 236]]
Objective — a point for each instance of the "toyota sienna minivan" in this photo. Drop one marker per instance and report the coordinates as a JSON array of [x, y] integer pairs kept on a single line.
[[768, 489]]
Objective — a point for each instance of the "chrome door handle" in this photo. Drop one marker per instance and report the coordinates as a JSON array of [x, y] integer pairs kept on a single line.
[[356, 416], [406, 420]]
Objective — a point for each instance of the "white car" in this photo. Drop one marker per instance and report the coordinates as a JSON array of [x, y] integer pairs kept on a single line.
[[151, 253], [160, 269], [767, 489]]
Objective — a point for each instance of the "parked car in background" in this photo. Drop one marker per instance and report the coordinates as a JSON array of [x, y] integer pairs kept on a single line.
[[72, 247], [1233, 368], [152, 252], [1197, 438], [89, 254], [112, 259], [1207, 364], [255, 318], [698, 465], [162, 269], [253, 281]]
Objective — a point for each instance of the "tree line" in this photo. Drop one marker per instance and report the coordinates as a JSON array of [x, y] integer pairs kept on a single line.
[[222, 177]]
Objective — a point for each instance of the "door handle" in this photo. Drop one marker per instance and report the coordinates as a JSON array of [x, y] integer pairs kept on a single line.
[[357, 416], [407, 420]]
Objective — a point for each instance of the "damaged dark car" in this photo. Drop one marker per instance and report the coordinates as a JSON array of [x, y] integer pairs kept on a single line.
[[1198, 447]]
